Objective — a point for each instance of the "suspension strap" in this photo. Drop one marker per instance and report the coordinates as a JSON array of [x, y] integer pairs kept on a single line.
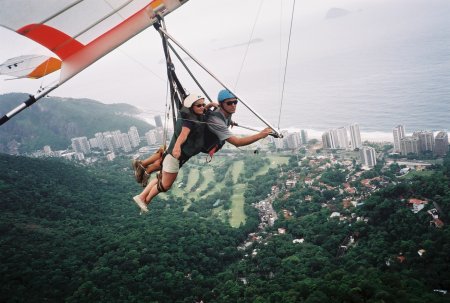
[[159, 185], [177, 92]]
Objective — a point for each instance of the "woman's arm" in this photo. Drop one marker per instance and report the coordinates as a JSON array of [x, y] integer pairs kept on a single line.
[[176, 152], [211, 104]]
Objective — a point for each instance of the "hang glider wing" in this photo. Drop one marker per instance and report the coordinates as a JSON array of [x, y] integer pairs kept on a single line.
[[80, 32], [30, 66]]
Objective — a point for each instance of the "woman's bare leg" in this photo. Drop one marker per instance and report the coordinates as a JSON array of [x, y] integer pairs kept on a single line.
[[167, 181]]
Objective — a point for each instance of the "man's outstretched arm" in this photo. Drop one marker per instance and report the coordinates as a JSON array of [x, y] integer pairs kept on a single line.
[[243, 141]]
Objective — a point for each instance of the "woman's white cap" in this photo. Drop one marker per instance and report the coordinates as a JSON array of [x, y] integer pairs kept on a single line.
[[191, 99]]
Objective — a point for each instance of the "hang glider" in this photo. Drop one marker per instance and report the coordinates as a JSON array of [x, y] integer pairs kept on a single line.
[[29, 66], [79, 32]]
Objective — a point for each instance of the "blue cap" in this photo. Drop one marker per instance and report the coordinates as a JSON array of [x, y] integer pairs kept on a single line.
[[225, 94]]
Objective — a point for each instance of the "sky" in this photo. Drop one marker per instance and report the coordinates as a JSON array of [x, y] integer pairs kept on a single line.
[[243, 42]]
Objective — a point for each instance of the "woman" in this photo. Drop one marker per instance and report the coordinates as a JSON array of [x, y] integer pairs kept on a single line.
[[186, 142]]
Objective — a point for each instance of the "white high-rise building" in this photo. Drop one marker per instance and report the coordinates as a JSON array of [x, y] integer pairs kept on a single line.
[[399, 133], [441, 144], [125, 143], [327, 140], [93, 142], [158, 121], [368, 156], [81, 145], [426, 140], [108, 141], [335, 138], [409, 145], [117, 139], [100, 141], [47, 150], [134, 136], [304, 135], [342, 138], [293, 140], [355, 136], [150, 136]]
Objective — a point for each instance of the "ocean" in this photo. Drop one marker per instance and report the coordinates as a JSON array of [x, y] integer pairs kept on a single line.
[[392, 68]]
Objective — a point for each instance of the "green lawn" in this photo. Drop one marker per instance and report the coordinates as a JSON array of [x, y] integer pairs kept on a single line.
[[237, 206], [274, 162], [236, 170], [208, 175], [192, 178], [175, 190], [236, 213]]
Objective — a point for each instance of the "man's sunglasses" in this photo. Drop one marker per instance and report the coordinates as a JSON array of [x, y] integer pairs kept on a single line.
[[231, 102], [200, 105]]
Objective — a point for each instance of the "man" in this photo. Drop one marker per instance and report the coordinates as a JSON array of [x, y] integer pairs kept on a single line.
[[219, 121]]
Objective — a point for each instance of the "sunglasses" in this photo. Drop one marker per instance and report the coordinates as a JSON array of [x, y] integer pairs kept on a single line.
[[200, 105], [231, 102]]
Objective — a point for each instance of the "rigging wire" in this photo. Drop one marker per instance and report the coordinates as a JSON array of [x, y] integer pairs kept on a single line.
[[248, 44], [280, 50], [166, 115], [286, 63]]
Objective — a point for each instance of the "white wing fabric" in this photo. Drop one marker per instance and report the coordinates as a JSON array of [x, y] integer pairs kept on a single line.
[[80, 32], [30, 66]]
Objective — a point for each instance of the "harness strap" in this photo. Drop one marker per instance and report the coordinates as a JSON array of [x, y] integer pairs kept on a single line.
[[159, 184], [211, 153]]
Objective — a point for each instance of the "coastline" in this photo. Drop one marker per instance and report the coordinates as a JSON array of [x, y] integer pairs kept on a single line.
[[370, 136]]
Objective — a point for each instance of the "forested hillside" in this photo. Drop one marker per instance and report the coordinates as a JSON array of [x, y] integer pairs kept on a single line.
[[72, 234], [54, 121]]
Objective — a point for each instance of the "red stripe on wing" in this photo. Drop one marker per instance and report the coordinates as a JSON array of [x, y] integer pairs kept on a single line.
[[58, 42]]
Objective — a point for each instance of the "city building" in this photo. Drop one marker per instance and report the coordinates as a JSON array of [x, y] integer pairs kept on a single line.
[[133, 134], [150, 136], [108, 141], [110, 156], [409, 145], [426, 140], [48, 150], [158, 121], [368, 156], [81, 145], [355, 136], [93, 142], [100, 141], [125, 143], [116, 139], [293, 140], [441, 144], [326, 140], [335, 139], [399, 133], [304, 135], [342, 138]]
